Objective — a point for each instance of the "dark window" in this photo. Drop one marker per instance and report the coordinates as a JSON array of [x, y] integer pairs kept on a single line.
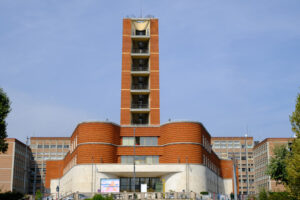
[[53, 146], [59, 146], [143, 32], [40, 146], [66, 146], [139, 118]]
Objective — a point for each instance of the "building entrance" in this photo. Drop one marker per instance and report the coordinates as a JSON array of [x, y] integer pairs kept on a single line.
[[153, 184]]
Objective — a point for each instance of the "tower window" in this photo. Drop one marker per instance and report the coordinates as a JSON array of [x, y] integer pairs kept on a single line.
[[143, 32], [139, 118]]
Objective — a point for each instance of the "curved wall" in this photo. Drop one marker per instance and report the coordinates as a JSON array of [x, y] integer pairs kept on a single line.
[[98, 132], [182, 142]]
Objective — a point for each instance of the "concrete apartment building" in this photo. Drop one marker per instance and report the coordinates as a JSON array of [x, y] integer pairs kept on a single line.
[[14, 167], [43, 149], [235, 147], [263, 152], [178, 154]]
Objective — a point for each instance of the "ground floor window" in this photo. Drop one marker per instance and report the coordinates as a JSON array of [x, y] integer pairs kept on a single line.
[[153, 184]]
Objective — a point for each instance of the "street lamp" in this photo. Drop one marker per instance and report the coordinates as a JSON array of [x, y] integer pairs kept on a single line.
[[134, 162]]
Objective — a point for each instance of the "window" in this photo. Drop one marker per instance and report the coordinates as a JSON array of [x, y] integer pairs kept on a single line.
[[142, 141], [46, 146], [66, 146], [140, 159], [59, 146], [128, 141], [40, 146], [148, 141], [53, 146]]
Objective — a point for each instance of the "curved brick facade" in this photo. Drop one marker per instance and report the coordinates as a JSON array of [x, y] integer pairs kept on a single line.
[[178, 142]]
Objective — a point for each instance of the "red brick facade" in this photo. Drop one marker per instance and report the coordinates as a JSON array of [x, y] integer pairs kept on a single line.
[[178, 142]]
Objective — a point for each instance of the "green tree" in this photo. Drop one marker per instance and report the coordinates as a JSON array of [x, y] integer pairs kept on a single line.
[[293, 159], [38, 195], [263, 195], [4, 110], [295, 118], [277, 166]]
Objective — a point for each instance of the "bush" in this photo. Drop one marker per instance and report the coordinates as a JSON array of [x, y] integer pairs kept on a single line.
[[263, 195], [100, 197], [279, 196]]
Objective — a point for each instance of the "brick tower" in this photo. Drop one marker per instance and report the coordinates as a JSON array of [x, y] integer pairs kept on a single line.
[[140, 73]]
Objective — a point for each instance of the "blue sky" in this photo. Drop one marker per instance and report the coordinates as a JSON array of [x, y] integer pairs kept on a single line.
[[228, 64]]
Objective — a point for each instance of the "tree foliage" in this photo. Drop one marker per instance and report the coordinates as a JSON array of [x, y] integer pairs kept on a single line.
[[277, 166], [4, 110], [293, 169], [293, 159], [38, 195], [263, 195], [295, 118]]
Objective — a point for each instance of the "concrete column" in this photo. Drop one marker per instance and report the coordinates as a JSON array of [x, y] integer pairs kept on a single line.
[[125, 196], [193, 195]]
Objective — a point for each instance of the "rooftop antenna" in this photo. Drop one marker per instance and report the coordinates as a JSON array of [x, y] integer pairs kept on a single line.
[[141, 8]]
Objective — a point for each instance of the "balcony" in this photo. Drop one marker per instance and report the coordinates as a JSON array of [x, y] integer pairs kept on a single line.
[[140, 66], [140, 84], [140, 118], [140, 103], [140, 48]]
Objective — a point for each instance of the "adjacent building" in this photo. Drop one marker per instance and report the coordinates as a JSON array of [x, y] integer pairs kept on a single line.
[[14, 167], [43, 149], [175, 154], [263, 152], [241, 150]]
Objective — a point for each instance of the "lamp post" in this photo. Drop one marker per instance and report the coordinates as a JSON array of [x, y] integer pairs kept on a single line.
[[246, 151], [25, 167], [234, 178], [134, 163]]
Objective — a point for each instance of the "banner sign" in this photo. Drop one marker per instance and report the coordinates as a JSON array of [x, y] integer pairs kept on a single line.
[[110, 185]]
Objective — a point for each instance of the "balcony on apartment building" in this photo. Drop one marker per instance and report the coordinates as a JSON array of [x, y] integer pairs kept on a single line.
[[140, 84], [140, 103], [140, 48], [140, 66]]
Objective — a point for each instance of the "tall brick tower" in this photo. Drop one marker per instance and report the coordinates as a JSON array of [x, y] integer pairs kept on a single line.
[[140, 72]]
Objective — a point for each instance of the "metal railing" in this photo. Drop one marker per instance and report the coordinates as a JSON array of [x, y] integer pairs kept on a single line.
[[139, 68], [137, 105], [140, 51], [143, 195], [139, 87]]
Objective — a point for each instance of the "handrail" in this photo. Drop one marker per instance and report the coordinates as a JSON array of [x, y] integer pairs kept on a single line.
[[139, 87], [139, 68], [136, 50], [136, 105]]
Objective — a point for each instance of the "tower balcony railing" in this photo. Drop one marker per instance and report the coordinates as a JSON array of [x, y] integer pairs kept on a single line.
[[139, 87], [139, 68], [137, 105], [140, 51]]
